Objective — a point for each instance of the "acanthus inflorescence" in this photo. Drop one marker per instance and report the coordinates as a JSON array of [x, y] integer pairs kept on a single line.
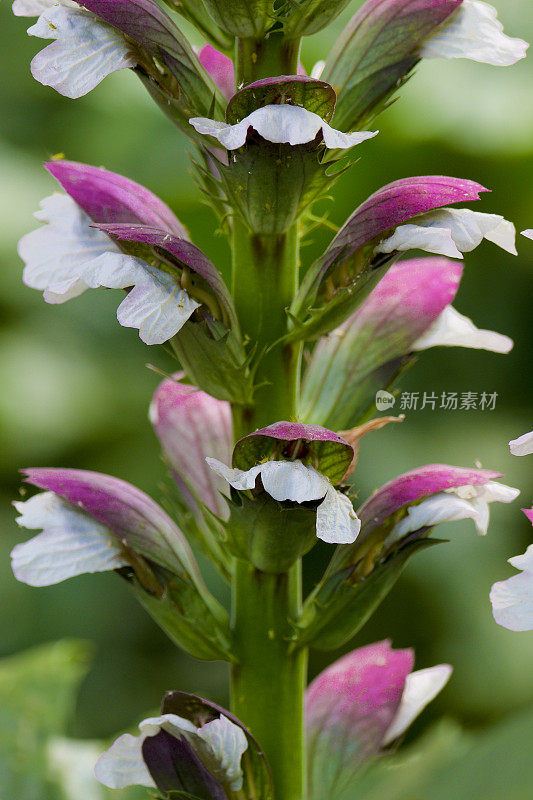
[[262, 444]]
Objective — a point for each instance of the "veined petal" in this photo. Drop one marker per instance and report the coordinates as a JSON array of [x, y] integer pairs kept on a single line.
[[292, 480], [122, 764], [336, 520], [228, 742], [528, 233], [242, 480], [281, 124], [158, 308], [453, 329], [465, 227], [86, 50], [421, 687], [72, 543], [474, 32], [523, 446]]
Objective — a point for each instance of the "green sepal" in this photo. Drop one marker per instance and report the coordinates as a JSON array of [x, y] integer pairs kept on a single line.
[[305, 17], [338, 609], [242, 18], [188, 614], [313, 95], [214, 360], [195, 13], [271, 185], [335, 310], [270, 535]]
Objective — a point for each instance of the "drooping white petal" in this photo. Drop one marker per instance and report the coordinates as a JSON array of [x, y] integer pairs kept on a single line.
[[158, 307], [86, 50], [474, 31], [523, 446], [240, 479], [421, 687], [336, 520], [122, 764], [418, 237], [451, 231], [292, 480], [72, 543], [528, 233], [171, 723], [453, 329], [66, 256], [228, 743], [440, 507], [281, 124]]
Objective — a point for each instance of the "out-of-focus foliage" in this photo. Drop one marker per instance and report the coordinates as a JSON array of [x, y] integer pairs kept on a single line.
[[37, 695], [75, 389]]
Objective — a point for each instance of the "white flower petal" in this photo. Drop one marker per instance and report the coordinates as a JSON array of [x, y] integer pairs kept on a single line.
[[86, 50], [72, 543], [528, 233], [169, 722], [418, 237], [292, 480], [512, 602], [480, 496], [158, 308], [439, 507], [523, 446], [228, 743], [336, 520], [34, 8], [453, 329], [421, 687], [525, 561], [451, 231], [318, 69], [281, 124], [240, 479], [67, 256], [474, 32], [122, 764]]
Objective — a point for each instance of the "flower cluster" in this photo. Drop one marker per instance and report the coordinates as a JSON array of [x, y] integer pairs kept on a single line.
[[260, 428]]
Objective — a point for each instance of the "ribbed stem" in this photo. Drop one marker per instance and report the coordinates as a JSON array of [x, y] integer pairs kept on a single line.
[[267, 686], [266, 58]]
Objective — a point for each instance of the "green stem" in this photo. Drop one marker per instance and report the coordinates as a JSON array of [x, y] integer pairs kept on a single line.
[[268, 684], [266, 58], [265, 280]]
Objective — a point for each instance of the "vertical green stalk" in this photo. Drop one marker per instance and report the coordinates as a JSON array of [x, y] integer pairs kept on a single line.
[[265, 280], [268, 684]]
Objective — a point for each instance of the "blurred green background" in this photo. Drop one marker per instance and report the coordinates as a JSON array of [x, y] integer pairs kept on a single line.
[[74, 387]]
